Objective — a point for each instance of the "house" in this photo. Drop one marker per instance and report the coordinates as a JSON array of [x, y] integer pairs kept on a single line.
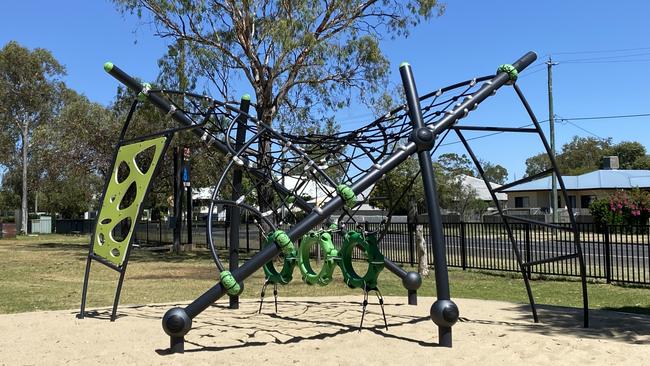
[[581, 189], [481, 189]]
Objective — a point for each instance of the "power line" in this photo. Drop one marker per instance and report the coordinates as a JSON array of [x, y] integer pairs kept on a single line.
[[607, 117], [602, 51], [568, 120], [605, 62], [612, 58], [561, 119]]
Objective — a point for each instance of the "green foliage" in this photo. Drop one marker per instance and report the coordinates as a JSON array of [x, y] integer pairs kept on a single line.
[[302, 58], [537, 164], [641, 163], [602, 214], [631, 208], [456, 164], [29, 97], [402, 187], [628, 153], [585, 154], [494, 172]]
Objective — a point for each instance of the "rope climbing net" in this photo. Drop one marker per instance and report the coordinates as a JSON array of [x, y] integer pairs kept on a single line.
[[286, 175]]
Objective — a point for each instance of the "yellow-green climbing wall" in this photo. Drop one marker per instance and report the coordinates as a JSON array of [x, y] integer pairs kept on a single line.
[[106, 244]]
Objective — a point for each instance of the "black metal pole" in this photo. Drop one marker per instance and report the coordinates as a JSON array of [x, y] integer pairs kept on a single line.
[[509, 231], [177, 202], [443, 312], [188, 196], [84, 290], [565, 195], [235, 212], [118, 291]]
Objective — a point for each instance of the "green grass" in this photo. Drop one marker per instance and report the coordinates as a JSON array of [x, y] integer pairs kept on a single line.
[[46, 273]]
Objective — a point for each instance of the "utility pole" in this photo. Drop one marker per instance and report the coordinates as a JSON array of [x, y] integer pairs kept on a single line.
[[551, 122]]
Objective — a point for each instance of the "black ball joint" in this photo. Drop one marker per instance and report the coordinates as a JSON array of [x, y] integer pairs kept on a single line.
[[423, 138], [444, 313], [176, 322], [412, 281]]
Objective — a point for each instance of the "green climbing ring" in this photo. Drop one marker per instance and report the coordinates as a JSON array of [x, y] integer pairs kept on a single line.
[[324, 276], [373, 255], [286, 273]]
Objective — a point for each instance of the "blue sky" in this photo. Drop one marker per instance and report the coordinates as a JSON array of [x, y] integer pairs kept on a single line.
[[594, 77]]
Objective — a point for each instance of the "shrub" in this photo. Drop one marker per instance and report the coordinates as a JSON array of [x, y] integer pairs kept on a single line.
[[622, 208]]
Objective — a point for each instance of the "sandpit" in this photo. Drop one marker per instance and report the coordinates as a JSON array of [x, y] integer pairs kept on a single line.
[[323, 331]]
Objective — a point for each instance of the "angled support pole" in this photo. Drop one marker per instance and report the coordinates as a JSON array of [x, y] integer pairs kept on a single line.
[[235, 212], [444, 312]]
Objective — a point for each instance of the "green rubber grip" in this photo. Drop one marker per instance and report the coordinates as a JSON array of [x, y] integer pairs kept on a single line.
[[229, 283]]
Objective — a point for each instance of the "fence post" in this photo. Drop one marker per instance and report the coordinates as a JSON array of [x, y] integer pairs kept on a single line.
[[463, 246], [411, 233], [527, 250], [608, 260]]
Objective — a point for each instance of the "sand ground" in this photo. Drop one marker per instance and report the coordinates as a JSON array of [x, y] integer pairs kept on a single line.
[[324, 331]]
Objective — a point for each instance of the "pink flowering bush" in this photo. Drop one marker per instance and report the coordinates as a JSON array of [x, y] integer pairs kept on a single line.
[[622, 208]]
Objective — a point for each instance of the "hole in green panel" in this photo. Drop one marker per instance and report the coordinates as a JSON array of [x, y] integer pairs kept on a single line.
[[115, 252], [129, 196], [121, 230], [100, 239], [123, 172], [106, 221], [362, 265], [144, 159]]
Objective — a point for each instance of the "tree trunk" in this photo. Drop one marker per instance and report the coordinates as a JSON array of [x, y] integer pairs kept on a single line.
[[423, 264], [264, 162], [25, 145]]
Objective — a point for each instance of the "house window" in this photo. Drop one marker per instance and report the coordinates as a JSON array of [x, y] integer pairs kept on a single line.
[[521, 202], [585, 201], [572, 201]]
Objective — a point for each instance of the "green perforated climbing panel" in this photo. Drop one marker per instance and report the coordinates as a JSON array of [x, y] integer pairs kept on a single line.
[[126, 190]]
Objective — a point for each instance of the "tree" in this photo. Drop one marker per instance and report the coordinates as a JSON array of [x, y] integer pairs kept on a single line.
[[494, 172], [641, 163], [628, 152], [301, 58], [456, 164], [537, 164], [405, 182], [29, 89], [585, 154], [580, 155], [72, 154]]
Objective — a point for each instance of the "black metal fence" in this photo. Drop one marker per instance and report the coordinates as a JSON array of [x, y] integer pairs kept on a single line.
[[614, 253]]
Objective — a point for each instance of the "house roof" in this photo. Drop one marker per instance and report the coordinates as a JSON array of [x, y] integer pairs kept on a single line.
[[599, 179], [481, 189]]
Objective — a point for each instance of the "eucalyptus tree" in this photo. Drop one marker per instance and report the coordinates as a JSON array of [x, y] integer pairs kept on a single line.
[[300, 58], [29, 96]]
